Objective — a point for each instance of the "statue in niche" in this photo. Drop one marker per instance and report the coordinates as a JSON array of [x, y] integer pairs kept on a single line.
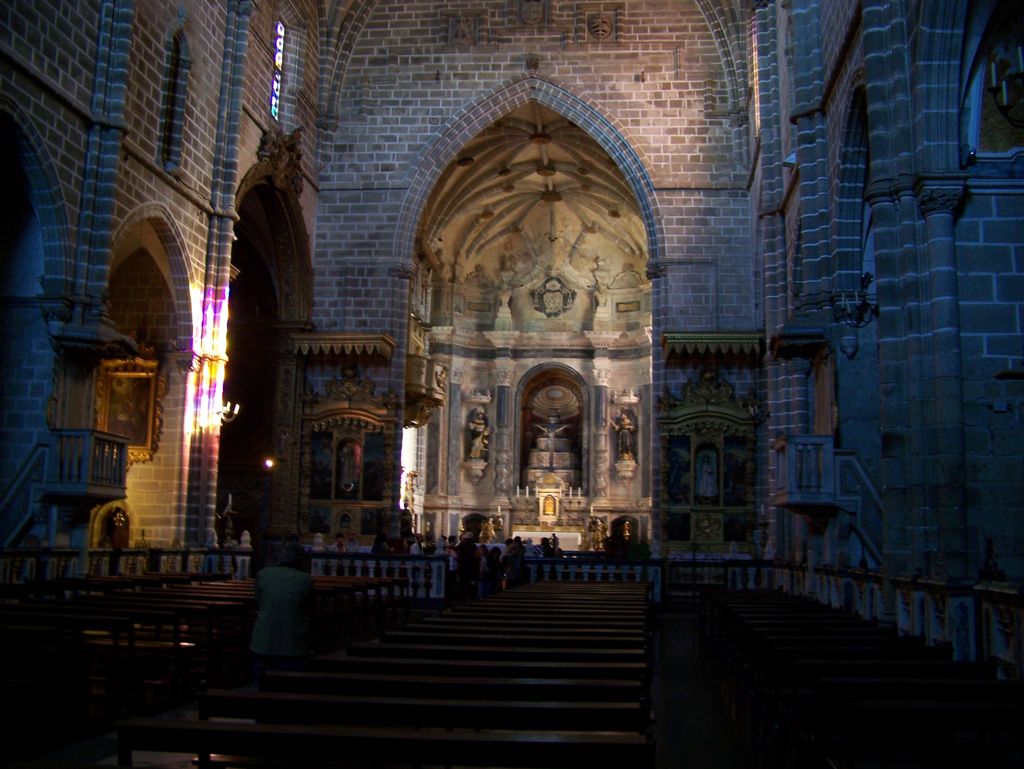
[[625, 426], [479, 277], [478, 429], [707, 476]]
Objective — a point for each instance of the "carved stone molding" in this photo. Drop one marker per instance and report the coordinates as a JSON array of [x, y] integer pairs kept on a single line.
[[701, 344], [939, 199], [350, 387], [282, 153]]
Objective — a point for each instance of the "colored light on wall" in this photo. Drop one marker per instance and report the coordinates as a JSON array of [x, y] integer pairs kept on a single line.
[[275, 82]]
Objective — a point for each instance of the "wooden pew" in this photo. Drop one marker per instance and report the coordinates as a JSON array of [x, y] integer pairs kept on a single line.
[[812, 688], [594, 689], [552, 691], [494, 668], [465, 636], [910, 733], [424, 710], [592, 656], [326, 746]]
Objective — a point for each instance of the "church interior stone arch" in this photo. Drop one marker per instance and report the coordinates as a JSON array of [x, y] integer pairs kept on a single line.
[[746, 275], [535, 249]]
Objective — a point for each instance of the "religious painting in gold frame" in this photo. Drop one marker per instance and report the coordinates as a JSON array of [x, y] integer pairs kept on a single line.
[[129, 402]]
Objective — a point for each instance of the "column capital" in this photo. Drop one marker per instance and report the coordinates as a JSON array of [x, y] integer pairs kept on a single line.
[[939, 195]]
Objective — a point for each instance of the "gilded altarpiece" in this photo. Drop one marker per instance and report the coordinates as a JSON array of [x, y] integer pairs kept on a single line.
[[348, 460], [707, 443]]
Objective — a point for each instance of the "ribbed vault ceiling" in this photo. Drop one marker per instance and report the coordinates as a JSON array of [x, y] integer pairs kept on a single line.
[[533, 187]]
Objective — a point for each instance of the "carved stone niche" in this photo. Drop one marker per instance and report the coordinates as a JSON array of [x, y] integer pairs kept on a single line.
[[465, 30]]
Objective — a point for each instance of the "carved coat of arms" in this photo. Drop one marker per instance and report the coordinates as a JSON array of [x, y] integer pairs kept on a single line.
[[601, 25], [531, 12], [553, 297]]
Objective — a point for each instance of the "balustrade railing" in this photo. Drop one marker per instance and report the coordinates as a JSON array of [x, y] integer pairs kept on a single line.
[[596, 570], [88, 463], [424, 575]]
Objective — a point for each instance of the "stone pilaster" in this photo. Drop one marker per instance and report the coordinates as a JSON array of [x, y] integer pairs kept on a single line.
[[939, 200]]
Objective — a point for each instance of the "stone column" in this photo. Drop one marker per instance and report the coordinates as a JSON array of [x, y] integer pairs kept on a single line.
[[454, 452], [207, 380], [501, 436], [938, 200], [599, 435]]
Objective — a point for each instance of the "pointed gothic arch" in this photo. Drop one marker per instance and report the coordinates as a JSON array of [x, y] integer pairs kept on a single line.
[[491, 107], [156, 221]]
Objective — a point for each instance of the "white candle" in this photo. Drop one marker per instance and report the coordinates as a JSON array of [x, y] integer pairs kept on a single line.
[[229, 499]]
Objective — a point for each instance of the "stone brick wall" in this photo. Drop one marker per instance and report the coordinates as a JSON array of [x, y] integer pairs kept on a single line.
[[650, 87]]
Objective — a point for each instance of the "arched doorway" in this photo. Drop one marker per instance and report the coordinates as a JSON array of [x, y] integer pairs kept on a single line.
[[268, 300]]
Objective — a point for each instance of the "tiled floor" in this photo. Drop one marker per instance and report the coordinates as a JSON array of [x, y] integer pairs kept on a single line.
[[690, 732]]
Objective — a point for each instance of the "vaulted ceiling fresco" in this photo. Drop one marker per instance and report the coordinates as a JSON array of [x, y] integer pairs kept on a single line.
[[533, 204]]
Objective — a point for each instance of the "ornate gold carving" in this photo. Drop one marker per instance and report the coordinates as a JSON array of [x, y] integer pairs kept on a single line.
[[349, 387]]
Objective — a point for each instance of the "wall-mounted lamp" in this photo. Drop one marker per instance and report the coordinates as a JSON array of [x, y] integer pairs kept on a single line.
[[854, 308], [227, 412], [1006, 82]]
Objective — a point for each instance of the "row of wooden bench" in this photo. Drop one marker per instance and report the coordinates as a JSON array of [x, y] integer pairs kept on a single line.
[[810, 687], [548, 675], [82, 651]]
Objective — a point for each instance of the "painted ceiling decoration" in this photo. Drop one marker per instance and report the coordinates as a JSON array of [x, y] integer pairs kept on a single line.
[[532, 195]]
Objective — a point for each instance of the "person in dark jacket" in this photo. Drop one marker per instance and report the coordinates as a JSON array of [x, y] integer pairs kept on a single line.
[[281, 638]]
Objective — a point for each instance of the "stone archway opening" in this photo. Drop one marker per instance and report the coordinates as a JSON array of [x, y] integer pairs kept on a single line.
[[531, 280], [248, 444]]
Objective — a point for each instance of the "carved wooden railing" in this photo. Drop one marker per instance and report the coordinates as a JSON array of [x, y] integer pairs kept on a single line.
[[87, 463]]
